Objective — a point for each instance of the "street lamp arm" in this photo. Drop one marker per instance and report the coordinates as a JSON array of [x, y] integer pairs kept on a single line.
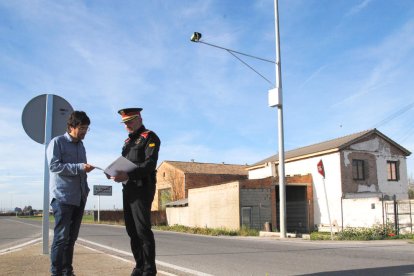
[[237, 52], [197, 36]]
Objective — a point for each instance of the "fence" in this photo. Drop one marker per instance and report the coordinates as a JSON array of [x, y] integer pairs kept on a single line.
[[400, 215]]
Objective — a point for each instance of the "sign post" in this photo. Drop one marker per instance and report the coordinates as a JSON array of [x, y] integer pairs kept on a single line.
[[321, 171], [43, 118], [104, 191], [46, 175]]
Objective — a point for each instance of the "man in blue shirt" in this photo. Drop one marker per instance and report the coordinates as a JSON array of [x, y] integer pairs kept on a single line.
[[69, 189]]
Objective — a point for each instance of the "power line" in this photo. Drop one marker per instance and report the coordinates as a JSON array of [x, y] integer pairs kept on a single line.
[[394, 115], [407, 134]]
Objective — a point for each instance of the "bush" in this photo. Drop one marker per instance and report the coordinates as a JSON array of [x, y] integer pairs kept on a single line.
[[411, 193], [361, 234], [315, 236], [377, 232]]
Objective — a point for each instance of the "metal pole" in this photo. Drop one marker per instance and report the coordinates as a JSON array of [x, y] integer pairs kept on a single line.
[[282, 185], [48, 137], [99, 208], [342, 213], [395, 215], [327, 207]]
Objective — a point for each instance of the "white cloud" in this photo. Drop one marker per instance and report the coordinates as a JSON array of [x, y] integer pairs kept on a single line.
[[358, 8]]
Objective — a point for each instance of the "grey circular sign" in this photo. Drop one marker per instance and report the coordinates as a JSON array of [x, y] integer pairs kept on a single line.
[[34, 117]]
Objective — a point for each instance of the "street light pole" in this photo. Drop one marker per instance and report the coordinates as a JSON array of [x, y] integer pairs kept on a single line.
[[275, 99], [282, 184]]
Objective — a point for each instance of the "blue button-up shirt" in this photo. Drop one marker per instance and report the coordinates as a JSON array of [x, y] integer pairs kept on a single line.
[[68, 180]]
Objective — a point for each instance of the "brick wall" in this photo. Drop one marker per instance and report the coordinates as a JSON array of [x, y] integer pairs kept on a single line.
[[350, 185], [204, 180], [117, 217]]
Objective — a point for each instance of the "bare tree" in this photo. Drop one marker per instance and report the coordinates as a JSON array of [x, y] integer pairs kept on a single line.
[[176, 180]]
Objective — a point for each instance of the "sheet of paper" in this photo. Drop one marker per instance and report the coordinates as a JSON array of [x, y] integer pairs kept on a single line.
[[120, 164]]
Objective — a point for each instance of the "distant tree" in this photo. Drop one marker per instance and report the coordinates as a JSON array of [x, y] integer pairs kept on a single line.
[[411, 193], [28, 210], [165, 197]]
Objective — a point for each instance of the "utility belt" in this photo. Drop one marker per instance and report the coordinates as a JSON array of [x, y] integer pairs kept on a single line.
[[147, 181]]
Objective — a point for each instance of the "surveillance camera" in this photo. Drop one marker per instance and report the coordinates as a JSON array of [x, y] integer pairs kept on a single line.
[[195, 37]]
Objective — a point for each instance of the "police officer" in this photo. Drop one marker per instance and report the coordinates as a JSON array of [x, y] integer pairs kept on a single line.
[[141, 147]]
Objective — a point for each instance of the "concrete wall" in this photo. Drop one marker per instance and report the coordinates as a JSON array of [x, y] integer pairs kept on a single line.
[[362, 212], [178, 216], [215, 206]]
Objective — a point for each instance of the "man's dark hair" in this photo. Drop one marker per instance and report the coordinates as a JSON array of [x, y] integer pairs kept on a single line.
[[78, 118]]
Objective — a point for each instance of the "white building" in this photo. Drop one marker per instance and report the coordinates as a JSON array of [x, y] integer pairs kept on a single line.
[[361, 171]]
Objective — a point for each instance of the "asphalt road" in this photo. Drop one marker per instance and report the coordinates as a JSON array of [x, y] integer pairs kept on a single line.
[[202, 255]]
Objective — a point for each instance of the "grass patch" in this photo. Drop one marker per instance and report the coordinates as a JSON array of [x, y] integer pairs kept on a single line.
[[85, 219], [209, 231], [318, 236]]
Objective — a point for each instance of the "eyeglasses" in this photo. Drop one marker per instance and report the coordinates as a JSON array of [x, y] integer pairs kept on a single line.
[[84, 128], [130, 122]]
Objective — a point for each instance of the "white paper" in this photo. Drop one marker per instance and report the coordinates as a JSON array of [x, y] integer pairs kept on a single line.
[[120, 164]]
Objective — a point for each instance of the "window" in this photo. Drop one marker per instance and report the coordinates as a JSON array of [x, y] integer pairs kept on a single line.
[[358, 170], [392, 170]]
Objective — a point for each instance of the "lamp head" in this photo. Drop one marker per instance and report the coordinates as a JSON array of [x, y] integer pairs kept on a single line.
[[196, 37]]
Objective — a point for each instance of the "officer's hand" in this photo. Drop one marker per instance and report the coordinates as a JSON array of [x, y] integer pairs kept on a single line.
[[120, 176]]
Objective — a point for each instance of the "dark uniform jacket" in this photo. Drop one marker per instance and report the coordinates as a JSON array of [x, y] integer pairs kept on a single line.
[[142, 148]]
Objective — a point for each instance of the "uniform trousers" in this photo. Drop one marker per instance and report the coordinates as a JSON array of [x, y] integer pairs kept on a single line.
[[137, 215]]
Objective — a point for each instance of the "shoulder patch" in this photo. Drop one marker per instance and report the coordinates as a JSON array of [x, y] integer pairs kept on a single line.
[[145, 134]]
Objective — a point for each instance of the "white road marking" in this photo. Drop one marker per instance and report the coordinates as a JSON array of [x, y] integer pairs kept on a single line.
[[175, 267], [119, 258], [19, 246], [179, 268]]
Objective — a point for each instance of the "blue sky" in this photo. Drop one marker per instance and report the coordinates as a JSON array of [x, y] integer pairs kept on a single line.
[[347, 66]]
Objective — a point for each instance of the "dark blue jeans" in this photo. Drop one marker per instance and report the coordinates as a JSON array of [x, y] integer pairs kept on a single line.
[[68, 219]]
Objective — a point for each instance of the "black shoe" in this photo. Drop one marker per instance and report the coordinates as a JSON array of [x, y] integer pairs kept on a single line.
[[136, 272]]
